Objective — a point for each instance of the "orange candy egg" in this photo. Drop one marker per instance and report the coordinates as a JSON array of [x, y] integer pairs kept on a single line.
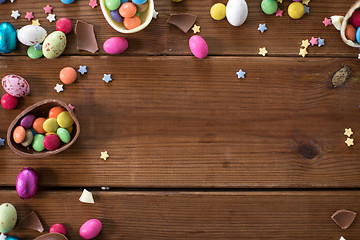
[[68, 75], [350, 32], [128, 10], [38, 125], [55, 111], [133, 22], [19, 134]]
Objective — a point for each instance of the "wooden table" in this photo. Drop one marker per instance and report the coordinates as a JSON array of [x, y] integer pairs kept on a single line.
[[195, 152]]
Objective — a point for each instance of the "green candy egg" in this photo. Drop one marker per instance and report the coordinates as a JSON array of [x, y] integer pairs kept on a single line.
[[64, 135], [112, 4], [8, 217], [34, 54], [38, 142], [269, 6]]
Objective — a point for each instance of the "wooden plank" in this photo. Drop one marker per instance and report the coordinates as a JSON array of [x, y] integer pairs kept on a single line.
[[180, 122], [283, 37], [184, 215]]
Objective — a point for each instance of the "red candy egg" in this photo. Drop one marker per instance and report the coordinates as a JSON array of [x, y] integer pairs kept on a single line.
[[51, 142], [9, 102], [355, 19], [58, 228], [64, 25]]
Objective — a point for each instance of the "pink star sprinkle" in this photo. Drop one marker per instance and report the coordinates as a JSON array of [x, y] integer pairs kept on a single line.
[[93, 3], [29, 16], [47, 9], [71, 107], [327, 22], [279, 13], [313, 41]]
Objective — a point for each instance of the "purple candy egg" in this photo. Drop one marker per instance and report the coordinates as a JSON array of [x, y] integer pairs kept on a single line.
[[2, 1], [115, 15], [27, 121], [27, 183]]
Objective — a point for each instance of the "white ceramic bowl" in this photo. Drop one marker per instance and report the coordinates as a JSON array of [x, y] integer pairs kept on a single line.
[[145, 17], [350, 43]]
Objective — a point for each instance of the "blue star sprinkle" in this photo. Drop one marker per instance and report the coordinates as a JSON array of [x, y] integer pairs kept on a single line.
[[307, 9], [321, 42], [2, 142], [82, 70], [37, 47], [107, 78], [241, 74], [262, 27]]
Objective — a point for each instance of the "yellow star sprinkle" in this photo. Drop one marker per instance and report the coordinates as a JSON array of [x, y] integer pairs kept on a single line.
[[348, 132], [303, 52], [263, 51], [196, 28], [306, 2], [279, 1], [305, 43], [349, 142], [104, 155], [36, 22]]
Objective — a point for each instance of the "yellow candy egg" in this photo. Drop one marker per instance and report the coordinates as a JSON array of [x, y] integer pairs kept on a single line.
[[65, 120], [50, 125], [296, 10], [218, 11]]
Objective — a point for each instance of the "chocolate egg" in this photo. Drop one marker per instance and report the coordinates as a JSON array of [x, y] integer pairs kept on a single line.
[[15, 85], [8, 217], [27, 183], [7, 37], [51, 236]]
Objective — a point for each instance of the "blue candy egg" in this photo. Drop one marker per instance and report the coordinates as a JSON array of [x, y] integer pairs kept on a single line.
[[8, 37], [67, 1], [12, 238], [139, 1], [358, 35], [115, 15]]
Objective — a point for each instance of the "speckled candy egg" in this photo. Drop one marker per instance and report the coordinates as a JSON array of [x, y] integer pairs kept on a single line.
[[8, 217], [236, 12], [30, 35], [54, 44], [7, 37], [15, 85]]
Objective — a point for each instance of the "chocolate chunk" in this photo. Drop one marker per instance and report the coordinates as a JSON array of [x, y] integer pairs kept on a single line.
[[51, 236], [85, 36], [31, 221], [343, 218], [341, 76], [183, 21]]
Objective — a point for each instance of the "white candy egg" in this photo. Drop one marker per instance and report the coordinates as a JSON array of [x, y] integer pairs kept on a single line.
[[236, 12], [30, 35]]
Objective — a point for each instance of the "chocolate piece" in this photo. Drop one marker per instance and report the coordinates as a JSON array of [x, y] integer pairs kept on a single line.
[[184, 21], [343, 218], [85, 36], [341, 76], [51, 236], [31, 221]]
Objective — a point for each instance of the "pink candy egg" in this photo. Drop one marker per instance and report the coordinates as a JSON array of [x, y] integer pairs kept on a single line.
[[90, 229], [27, 183], [198, 46], [58, 228], [115, 45], [9, 102], [51, 142], [64, 25], [15, 85], [355, 19]]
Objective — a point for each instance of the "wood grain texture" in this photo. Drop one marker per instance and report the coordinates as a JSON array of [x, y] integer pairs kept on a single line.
[[181, 122], [283, 37], [179, 215]]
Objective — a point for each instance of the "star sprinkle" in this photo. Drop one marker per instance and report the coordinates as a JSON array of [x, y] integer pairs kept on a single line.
[[279, 1], [38, 47], [241, 74], [12, 1], [263, 51], [47, 9], [51, 17], [59, 88], [36, 22], [29, 16], [15, 14], [321, 42], [71, 107], [359, 56], [2, 142], [155, 14], [306, 2], [2, 236], [307, 9], [305, 43], [342, 238], [303, 52], [327, 22], [107, 78], [348, 132], [349, 142], [314, 41], [196, 28], [104, 155], [82, 70], [262, 27], [93, 3], [279, 13]]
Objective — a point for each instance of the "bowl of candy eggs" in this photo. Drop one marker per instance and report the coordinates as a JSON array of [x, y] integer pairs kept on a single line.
[[128, 16], [350, 27], [45, 128]]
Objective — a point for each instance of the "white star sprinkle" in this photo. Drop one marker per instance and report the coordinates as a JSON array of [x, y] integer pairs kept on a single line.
[[155, 13], [15, 14], [2, 236], [107, 78], [51, 17], [59, 88]]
